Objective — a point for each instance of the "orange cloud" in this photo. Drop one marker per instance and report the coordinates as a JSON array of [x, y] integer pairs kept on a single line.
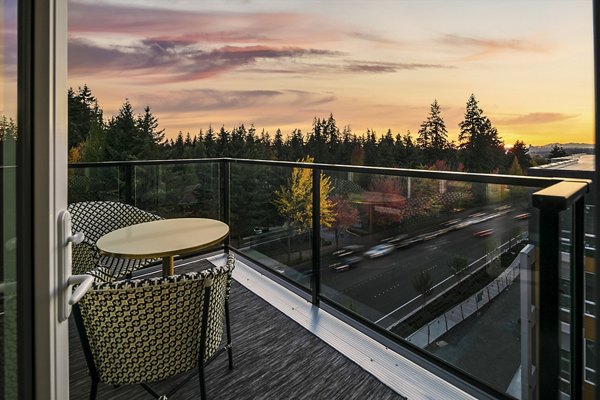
[[535, 118]]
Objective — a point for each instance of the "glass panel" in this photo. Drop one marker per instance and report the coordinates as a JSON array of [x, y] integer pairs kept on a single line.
[[95, 184], [178, 190], [8, 241], [436, 262], [168, 190], [271, 218]]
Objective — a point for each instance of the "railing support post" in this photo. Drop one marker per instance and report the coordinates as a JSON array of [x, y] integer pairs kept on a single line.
[[225, 184], [316, 237], [129, 184], [577, 300], [549, 306], [551, 201]]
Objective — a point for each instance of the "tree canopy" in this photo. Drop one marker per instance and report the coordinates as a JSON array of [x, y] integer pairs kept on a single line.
[[481, 148], [131, 136]]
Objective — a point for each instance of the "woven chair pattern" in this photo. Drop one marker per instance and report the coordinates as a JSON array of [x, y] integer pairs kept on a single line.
[[97, 218], [86, 261], [219, 294], [146, 330]]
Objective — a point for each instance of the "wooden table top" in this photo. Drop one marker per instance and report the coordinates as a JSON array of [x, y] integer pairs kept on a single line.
[[163, 238]]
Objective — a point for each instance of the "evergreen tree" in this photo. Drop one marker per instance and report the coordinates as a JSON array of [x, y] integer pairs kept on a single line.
[[210, 143], [122, 138], [178, 147], [8, 129], [433, 136], [370, 148], [150, 136], [481, 147], [278, 146], [222, 143], [296, 145], [411, 151], [557, 151], [83, 111], [93, 149], [386, 150], [521, 152]]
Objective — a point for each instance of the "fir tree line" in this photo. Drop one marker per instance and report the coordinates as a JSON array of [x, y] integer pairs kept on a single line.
[[127, 136]]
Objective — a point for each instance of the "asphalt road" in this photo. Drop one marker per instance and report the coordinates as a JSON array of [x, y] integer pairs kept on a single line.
[[376, 287], [382, 285]]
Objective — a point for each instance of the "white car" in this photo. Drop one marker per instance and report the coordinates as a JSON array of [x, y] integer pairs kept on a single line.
[[379, 251]]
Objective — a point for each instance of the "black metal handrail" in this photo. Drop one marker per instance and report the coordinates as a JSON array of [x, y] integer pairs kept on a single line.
[[529, 181]]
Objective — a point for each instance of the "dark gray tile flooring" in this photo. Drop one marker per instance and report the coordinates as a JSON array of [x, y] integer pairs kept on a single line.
[[274, 359]]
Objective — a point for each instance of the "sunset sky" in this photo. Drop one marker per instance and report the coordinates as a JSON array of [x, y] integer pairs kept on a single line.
[[374, 64]]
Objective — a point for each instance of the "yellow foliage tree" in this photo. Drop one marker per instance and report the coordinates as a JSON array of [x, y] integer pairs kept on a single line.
[[294, 201]]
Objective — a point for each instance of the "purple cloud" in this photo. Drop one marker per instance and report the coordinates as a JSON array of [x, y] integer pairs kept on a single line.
[[379, 67], [198, 100], [175, 61]]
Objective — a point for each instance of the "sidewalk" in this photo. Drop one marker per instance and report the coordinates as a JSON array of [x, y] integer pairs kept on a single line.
[[487, 345]]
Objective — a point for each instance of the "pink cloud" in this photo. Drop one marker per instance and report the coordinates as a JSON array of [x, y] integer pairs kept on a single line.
[[482, 48], [210, 26]]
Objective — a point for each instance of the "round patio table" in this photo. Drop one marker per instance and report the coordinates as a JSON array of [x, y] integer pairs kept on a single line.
[[163, 239]]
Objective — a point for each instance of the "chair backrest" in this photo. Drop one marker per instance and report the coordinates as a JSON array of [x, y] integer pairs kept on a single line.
[[219, 294], [97, 218], [85, 258], [145, 330]]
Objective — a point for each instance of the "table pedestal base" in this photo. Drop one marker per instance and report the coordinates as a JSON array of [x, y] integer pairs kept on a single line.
[[167, 266]]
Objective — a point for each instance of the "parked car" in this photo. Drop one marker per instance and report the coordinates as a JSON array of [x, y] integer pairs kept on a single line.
[[380, 250], [348, 250], [345, 263]]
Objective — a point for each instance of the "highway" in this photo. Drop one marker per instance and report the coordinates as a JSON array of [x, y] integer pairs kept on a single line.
[[376, 287], [385, 284]]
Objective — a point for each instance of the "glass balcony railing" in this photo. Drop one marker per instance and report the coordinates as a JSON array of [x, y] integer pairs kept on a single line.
[[432, 260]]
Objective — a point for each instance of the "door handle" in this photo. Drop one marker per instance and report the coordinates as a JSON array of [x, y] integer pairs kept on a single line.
[[66, 239], [85, 283]]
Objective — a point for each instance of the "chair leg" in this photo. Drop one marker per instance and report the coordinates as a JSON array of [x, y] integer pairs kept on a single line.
[[228, 327], [94, 390], [230, 354], [202, 381]]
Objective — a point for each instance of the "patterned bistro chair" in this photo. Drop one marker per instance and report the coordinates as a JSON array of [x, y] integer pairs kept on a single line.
[[97, 218], [141, 331], [87, 261]]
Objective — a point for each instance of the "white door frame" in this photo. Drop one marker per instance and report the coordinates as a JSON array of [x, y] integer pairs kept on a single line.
[[49, 137]]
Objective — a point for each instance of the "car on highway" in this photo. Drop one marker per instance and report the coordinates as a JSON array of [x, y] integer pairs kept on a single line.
[[409, 242], [380, 250], [348, 250], [345, 263], [259, 230], [396, 239], [484, 233], [451, 222]]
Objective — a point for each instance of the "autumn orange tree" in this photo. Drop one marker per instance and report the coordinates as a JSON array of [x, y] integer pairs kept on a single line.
[[294, 201], [346, 215]]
